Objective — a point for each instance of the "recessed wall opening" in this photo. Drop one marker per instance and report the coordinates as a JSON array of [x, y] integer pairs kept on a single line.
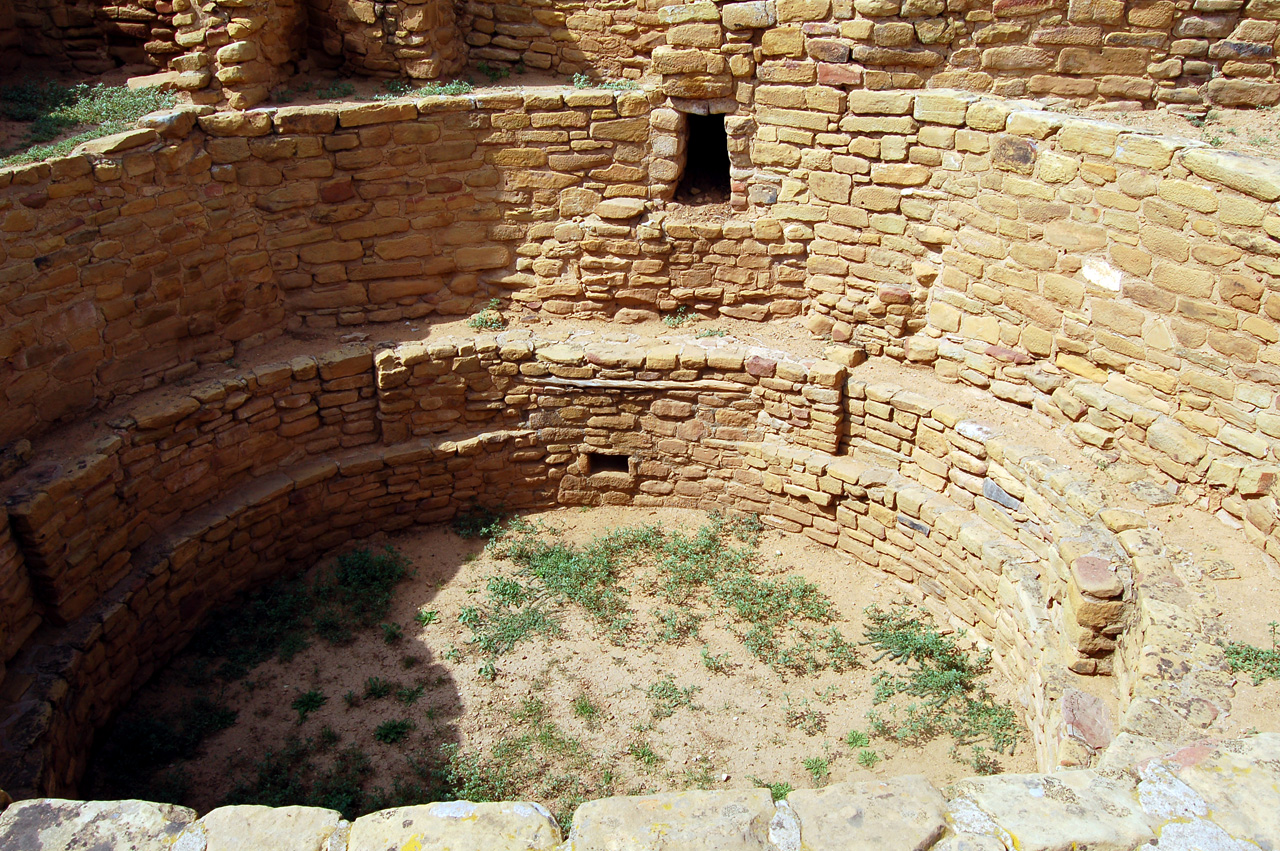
[[599, 462], [706, 170]]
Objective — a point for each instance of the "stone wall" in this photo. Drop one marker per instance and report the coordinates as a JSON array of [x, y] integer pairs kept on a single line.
[[130, 545], [1214, 796], [92, 37]]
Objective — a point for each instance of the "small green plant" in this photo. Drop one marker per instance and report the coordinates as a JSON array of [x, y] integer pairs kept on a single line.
[[377, 688], [351, 699], [868, 758], [1215, 141], [804, 717], [409, 696], [1258, 663], [644, 754], [675, 626], [819, 769], [335, 90], [408, 662], [493, 72], [488, 671], [453, 654], [667, 697], [582, 80], [710, 332], [308, 702], [328, 737], [778, 791], [454, 87], [392, 632], [393, 732], [397, 88], [716, 664], [857, 739], [679, 318], [490, 318], [585, 709], [425, 617]]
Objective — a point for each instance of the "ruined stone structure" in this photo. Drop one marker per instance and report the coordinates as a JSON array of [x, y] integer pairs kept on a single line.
[[1122, 283]]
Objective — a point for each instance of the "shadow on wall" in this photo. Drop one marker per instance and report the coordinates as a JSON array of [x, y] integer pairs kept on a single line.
[[309, 645]]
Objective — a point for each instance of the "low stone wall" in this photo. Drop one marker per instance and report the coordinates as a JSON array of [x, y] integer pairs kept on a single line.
[[1219, 796]]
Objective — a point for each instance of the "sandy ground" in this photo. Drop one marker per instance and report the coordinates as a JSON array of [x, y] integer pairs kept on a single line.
[[735, 730]]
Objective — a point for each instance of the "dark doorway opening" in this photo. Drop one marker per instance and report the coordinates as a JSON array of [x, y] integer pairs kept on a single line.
[[706, 169], [598, 462]]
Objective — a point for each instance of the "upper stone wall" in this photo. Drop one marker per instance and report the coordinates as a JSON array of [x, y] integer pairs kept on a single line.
[[1135, 53]]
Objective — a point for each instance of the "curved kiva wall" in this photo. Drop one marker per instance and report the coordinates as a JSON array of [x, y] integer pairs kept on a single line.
[[198, 495], [1133, 52], [1120, 279]]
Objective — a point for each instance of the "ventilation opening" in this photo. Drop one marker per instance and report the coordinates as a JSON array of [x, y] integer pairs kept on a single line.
[[706, 169], [598, 462]]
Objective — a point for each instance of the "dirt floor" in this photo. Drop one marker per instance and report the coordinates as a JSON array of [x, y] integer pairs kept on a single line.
[[744, 725]]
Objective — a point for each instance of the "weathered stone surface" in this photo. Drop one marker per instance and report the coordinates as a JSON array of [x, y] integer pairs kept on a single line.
[[275, 828], [1042, 810], [57, 824], [457, 826], [1250, 175], [904, 812], [1176, 441], [697, 821]]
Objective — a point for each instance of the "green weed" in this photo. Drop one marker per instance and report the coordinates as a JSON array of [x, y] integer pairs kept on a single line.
[[490, 318], [50, 109], [1258, 663], [868, 758], [679, 318], [477, 523], [668, 697], [392, 632], [409, 696], [819, 769], [393, 732], [308, 702], [583, 81], [287, 776], [377, 687], [946, 680], [778, 791], [425, 617], [857, 739], [804, 717], [675, 626], [644, 754], [710, 332], [716, 664], [585, 709]]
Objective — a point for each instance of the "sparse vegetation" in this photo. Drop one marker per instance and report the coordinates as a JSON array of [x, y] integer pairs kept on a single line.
[[490, 318], [1258, 663], [778, 791], [668, 697], [391, 732], [679, 318], [308, 702], [51, 109], [584, 81], [819, 769], [947, 682]]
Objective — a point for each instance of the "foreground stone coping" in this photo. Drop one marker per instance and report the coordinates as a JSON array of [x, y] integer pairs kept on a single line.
[[1222, 796]]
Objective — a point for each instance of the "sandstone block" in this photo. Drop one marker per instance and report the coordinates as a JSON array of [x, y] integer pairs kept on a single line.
[[277, 828], [725, 820], [905, 813], [1175, 440], [457, 826], [54, 823], [751, 15], [1250, 175]]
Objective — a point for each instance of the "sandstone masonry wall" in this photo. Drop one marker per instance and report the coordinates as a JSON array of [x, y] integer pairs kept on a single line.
[[132, 544]]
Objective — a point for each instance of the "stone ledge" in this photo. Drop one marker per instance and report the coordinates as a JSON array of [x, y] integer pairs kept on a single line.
[[1220, 795]]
